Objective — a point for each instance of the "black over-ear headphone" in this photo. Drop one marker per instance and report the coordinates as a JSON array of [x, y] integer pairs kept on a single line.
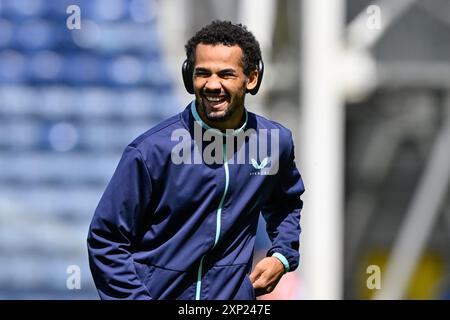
[[187, 70]]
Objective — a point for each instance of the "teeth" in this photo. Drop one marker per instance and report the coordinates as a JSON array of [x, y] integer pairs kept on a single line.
[[214, 99]]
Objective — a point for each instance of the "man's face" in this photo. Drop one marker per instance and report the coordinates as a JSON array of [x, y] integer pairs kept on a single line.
[[219, 81]]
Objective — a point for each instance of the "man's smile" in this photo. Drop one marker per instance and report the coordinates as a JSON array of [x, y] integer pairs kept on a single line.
[[215, 102]]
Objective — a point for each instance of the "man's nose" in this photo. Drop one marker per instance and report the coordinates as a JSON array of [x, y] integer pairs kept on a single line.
[[213, 84]]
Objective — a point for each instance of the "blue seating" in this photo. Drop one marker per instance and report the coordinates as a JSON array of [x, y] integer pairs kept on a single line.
[[70, 102]]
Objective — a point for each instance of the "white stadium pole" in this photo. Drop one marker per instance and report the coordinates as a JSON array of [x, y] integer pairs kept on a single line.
[[262, 25], [422, 214], [322, 149]]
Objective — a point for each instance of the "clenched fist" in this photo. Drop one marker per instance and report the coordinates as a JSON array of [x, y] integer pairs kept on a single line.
[[266, 274]]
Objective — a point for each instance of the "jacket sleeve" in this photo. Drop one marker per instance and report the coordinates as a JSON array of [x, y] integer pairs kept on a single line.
[[282, 213], [113, 227]]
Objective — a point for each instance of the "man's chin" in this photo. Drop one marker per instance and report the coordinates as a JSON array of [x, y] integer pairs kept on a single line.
[[217, 116]]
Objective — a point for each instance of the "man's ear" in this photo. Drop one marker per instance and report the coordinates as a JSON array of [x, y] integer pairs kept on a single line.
[[252, 80]]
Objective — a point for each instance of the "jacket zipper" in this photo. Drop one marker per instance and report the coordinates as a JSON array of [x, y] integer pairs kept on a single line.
[[218, 221]]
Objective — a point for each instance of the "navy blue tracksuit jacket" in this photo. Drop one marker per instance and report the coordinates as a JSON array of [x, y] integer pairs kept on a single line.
[[170, 230]]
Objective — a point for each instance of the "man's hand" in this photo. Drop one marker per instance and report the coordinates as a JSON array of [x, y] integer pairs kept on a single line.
[[266, 274]]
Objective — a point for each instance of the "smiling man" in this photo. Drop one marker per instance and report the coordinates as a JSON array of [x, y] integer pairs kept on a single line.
[[168, 229], [221, 84]]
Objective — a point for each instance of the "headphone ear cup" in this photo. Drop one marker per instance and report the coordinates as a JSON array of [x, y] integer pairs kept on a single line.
[[186, 71], [260, 77]]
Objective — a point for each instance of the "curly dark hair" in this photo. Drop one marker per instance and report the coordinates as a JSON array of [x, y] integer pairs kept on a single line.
[[229, 34]]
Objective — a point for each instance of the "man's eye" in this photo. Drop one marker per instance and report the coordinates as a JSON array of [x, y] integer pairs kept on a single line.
[[228, 75], [201, 73]]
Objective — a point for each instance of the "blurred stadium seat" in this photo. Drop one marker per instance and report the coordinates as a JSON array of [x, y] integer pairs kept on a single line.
[[70, 102]]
